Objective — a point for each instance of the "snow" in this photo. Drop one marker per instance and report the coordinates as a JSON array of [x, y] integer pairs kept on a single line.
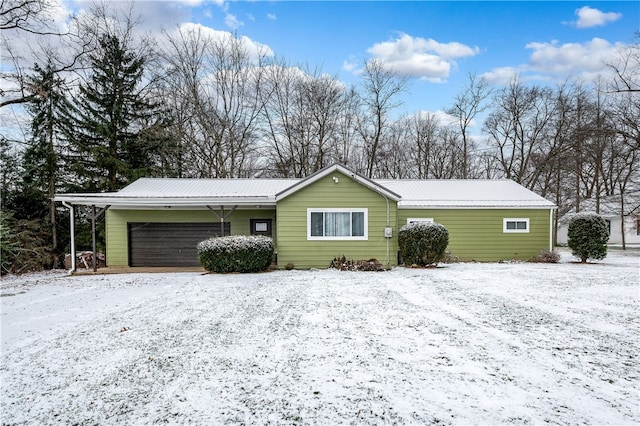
[[464, 343]]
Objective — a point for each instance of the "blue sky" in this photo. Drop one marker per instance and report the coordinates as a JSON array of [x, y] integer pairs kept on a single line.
[[436, 44]]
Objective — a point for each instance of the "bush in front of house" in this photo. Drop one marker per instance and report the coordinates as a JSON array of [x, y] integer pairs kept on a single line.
[[238, 253], [546, 256], [588, 236], [341, 263], [423, 243]]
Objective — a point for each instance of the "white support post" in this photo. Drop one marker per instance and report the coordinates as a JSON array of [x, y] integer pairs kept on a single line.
[[72, 231]]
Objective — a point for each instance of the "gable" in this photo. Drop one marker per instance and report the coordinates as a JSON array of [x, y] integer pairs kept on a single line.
[[339, 174]]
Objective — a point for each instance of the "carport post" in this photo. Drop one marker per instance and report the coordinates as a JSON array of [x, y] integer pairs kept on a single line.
[[93, 236], [72, 231], [94, 216], [222, 215], [222, 220]]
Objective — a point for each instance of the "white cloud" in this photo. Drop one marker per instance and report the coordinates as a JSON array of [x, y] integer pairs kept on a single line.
[[571, 58], [589, 17], [254, 48], [556, 61], [502, 75], [419, 57], [232, 22], [271, 16]]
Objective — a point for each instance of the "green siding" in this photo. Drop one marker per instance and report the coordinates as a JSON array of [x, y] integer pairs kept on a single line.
[[293, 246], [477, 234], [116, 223]]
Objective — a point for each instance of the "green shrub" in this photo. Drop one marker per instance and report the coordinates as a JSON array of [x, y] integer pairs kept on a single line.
[[423, 243], [588, 236], [236, 253]]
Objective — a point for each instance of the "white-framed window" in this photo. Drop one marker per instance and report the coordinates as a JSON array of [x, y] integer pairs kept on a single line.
[[337, 224], [515, 224], [419, 219]]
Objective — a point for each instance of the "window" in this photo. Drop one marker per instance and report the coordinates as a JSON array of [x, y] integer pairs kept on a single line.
[[337, 224], [515, 225], [419, 219]]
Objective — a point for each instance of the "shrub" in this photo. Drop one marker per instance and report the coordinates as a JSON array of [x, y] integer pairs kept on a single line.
[[343, 264], [588, 236], [423, 243], [236, 253], [546, 256]]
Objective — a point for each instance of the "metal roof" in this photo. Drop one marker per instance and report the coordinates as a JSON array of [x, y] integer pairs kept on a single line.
[[468, 193], [186, 192], [198, 193]]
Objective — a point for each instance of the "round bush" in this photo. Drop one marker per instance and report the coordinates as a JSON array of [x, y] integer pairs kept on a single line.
[[588, 236], [422, 243], [236, 253]]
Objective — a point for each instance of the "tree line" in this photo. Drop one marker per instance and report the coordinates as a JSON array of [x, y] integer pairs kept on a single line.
[[206, 104]]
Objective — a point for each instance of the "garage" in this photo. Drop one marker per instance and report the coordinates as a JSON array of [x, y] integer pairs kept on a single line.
[[169, 244]]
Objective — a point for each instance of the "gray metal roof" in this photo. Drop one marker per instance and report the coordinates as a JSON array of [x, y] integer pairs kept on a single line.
[[249, 193], [187, 193], [464, 194]]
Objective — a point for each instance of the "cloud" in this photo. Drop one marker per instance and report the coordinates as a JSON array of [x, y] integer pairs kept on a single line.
[[419, 57], [232, 22], [502, 75], [556, 61], [272, 16], [254, 48], [589, 17], [571, 58]]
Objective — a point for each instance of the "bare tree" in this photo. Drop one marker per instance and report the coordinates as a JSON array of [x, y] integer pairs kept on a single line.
[[422, 131], [303, 119], [467, 105], [29, 31], [216, 82], [517, 128], [380, 90]]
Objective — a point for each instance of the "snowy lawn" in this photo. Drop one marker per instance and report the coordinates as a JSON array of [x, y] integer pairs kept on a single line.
[[464, 343]]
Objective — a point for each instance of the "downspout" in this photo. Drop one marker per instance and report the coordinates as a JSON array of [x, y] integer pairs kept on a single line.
[[551, 229], [388, 223], [72, 231]]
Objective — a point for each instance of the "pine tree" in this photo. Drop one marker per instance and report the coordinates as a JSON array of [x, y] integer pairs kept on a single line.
[[42, 160], [112, 145]]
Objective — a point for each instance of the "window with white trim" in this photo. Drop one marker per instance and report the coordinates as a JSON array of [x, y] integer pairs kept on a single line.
[[518, 224], [419, 219], [337, 224]]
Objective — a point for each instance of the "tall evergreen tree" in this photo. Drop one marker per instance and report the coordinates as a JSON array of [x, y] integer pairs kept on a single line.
[[42, 160], [116, 126]]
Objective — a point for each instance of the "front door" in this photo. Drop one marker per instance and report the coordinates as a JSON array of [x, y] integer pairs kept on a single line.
[[261, 227]]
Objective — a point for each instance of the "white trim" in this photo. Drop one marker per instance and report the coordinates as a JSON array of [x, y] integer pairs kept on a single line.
[[419, 219], [515, 219], [338, 210], [368, 183]]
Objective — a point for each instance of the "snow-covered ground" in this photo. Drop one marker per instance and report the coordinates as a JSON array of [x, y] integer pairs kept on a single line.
[[462, 344]]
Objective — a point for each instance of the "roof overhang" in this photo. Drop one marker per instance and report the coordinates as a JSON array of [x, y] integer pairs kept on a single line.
[[402, 205], [115, 201]]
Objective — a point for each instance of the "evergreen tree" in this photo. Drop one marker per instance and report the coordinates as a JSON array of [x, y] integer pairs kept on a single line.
[[113, 144], [42, 162]]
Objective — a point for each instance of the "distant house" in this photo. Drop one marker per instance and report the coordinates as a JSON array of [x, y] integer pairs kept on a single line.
[[158, 222], [609, 209]]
